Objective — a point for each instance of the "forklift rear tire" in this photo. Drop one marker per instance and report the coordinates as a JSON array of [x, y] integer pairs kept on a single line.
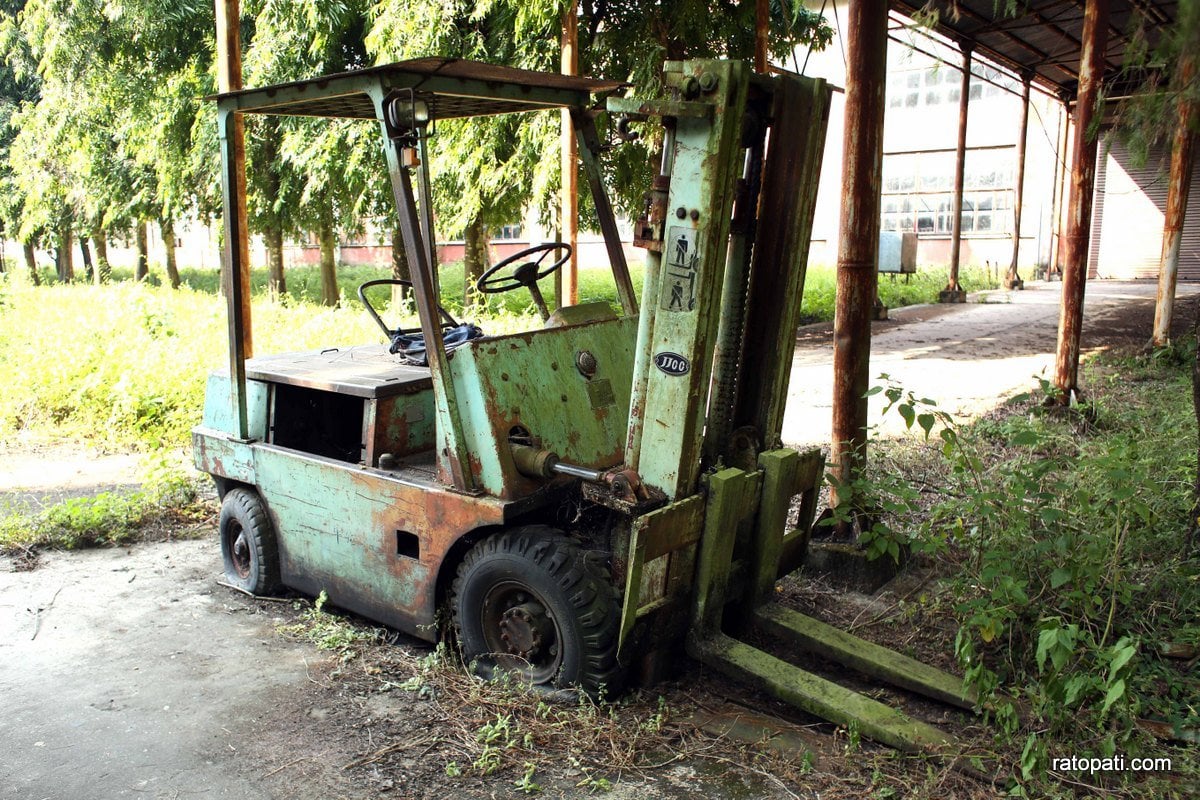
[[248, 544], [531, 603]]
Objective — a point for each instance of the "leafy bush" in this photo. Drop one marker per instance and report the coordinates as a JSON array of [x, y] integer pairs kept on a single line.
[[1071, 567]]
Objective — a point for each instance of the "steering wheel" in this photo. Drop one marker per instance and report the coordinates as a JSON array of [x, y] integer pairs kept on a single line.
[[447, 320], [526, 274]]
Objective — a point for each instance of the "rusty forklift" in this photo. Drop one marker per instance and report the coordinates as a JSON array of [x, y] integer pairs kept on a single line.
[[586, 500]]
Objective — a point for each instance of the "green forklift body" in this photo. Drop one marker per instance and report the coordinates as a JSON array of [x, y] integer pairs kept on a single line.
[[661, 428]]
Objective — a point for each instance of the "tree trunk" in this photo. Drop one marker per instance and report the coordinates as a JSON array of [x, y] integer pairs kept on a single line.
[[142, 270], [400, 268], [89, 268], [103, 268], [31, 263], [273, 235], [329, 286], [65, 259], [475, 259], [276, 283], [167, 228]]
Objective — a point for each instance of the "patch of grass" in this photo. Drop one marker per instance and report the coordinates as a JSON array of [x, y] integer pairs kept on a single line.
[[330, 632], [105, 519], [895, 291]]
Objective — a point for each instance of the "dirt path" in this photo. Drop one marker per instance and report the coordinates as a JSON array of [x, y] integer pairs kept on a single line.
[[969, 358], [131, 673]]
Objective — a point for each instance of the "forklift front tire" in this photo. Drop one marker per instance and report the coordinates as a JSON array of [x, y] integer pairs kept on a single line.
[[531, 603], [248, 544]]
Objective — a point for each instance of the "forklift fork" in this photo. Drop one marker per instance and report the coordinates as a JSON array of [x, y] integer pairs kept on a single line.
[[747, 511], [759, 499]]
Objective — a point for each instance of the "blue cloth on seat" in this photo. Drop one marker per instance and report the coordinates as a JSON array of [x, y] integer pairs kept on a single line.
[[411, 346]]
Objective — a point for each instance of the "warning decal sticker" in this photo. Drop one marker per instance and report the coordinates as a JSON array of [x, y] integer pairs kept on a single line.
[[681, 270]]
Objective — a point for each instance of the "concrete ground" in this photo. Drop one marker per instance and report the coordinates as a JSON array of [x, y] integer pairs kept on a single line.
[[130, 673], [968, 358]]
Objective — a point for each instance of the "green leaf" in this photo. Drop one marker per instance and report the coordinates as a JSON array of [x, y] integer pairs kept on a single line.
[[1059, 576], [1115, 692], [907, 412], [1121, 657], [1074, 688], [926, 423]]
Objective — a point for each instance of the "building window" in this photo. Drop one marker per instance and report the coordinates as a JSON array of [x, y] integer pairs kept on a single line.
[[918, 192], [940, 84]]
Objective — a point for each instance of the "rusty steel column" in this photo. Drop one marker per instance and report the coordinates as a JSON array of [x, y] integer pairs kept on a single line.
[[1079, 214], [1060, 170], [953, 293], [858, 246], [229, 79], [568, 295], [1013, 279], [762, 26], [1182, 159]]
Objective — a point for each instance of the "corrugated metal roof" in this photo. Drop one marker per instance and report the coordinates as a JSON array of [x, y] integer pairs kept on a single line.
[[1042, 38]]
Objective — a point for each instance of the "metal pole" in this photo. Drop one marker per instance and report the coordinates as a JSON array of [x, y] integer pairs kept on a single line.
[[229, 79], [858, 246], [1079, 214], [953, 293], [762, 27], [1182, 160], [1060, 168], [569, 199], [1013, 279]]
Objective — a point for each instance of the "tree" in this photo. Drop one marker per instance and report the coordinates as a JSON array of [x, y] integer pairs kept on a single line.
[[487, 172], [319, 170], [112, 135], [19, 87]]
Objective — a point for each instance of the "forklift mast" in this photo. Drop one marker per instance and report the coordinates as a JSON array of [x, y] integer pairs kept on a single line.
[[722, 291]]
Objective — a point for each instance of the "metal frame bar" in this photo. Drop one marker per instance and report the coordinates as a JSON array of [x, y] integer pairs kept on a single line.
[[234, 268], [960, 159], [588, 141], [453, 463]]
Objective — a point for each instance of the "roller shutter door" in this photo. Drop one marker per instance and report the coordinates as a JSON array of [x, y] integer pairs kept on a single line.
[[1127, 217]]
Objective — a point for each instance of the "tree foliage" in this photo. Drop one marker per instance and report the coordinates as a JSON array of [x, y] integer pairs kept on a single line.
[[103, 128]]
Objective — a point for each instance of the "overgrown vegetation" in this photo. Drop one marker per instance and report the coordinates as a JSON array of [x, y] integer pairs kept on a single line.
[[164, 506], [1061, 537]]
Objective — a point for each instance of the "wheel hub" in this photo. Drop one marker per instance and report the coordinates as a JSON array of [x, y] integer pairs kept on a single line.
[[241, 555], [525, 630]]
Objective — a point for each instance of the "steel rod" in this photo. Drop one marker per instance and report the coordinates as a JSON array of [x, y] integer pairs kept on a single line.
[[569, 197], [952, 290], [229, 79], [1013, 280]]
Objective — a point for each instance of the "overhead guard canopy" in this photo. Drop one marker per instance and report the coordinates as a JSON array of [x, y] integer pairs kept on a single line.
[[450, 87]]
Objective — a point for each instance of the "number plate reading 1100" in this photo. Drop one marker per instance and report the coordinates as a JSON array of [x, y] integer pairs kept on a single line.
[[672, 363]]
